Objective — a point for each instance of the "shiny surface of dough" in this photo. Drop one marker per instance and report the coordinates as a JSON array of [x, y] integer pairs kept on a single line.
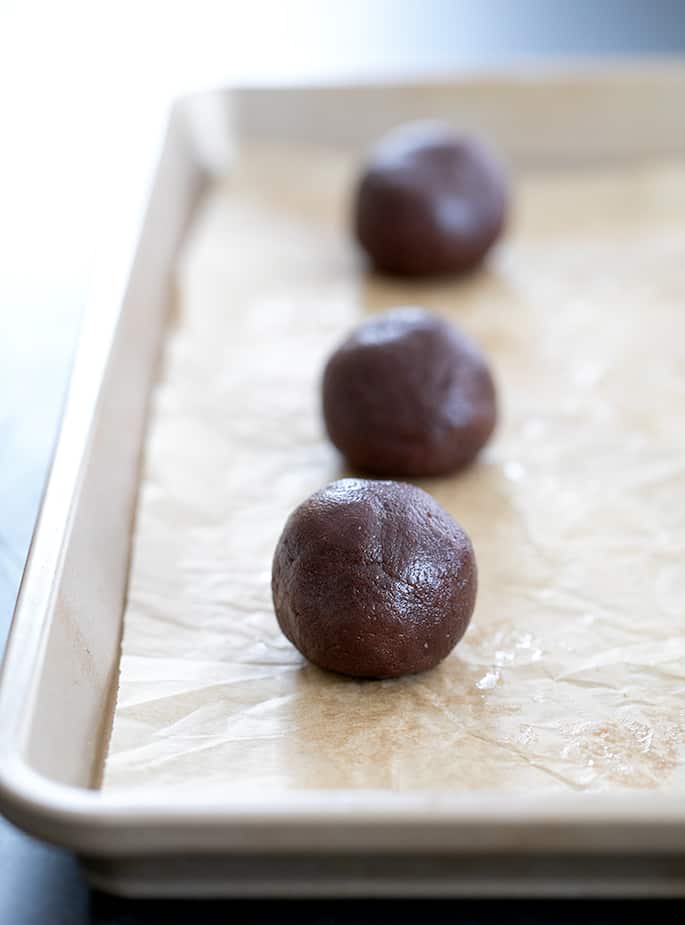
[[572, 673]]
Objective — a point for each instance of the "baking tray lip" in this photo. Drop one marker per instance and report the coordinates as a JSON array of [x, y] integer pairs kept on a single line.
[[23, 788], [30, 624], [75, 812]]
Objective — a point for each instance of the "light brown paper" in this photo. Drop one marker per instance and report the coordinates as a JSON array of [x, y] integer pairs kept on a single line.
[[572, 675]]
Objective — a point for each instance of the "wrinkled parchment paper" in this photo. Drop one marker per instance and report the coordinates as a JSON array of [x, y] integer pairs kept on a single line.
[[572, 675]]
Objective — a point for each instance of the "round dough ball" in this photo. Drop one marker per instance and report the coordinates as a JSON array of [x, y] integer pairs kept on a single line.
[[373, 579], [408, 395], [429, 201]]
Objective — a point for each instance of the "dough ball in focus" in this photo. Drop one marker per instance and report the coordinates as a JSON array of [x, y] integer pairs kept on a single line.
[[373, 579]]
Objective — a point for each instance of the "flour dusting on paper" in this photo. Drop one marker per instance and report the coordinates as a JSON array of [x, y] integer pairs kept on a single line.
[[572, 675]]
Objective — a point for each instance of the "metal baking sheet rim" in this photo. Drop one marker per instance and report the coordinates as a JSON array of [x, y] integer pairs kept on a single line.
[[106, 829]]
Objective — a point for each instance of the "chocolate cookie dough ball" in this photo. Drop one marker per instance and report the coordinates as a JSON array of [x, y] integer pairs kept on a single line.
[[408, 395], [373, 579], [429, 201]]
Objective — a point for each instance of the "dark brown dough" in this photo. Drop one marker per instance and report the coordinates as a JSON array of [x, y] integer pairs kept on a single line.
[[373, 579], [408, 395], [429, 201]]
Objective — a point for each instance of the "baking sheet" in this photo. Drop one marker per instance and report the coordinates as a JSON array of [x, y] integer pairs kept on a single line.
[[572, 674]]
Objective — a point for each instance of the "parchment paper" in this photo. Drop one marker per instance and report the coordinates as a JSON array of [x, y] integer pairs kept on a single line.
[[572, 675]]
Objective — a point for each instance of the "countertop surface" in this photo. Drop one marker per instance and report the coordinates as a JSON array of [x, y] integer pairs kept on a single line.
[[74, 80]]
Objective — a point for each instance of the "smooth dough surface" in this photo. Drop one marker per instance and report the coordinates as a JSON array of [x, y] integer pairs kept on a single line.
[[571, 675], [407, 395], [429, 201]]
